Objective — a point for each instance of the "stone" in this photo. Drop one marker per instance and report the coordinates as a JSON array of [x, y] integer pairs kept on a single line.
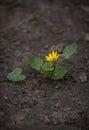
[[46, 46], [45, 118], [83, 77], [87, 37], [58, 86]]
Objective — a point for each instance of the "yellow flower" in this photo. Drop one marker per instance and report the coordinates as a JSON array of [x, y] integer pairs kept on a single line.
[[52, 57]]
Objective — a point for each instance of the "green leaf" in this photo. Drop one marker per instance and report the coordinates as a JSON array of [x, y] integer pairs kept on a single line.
[[48, 66], [47, 69], [35, 62], [59, 72], [46, 73], [16, 75], [69, 50], [43, 71], [17, 71]]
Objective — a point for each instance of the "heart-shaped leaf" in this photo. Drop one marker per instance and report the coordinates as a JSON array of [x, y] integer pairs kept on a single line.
[[59, 72], [69, 50], [16, 75], [17, 71], [35, 62]]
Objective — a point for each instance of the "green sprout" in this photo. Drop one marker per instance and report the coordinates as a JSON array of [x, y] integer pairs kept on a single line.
[[16, 75], [49, 67]]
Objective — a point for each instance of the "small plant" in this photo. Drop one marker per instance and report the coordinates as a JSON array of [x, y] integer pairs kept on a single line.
[[16, 75], [49, 67]]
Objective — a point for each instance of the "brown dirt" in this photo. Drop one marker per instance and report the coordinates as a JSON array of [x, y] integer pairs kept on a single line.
[[39, 103]]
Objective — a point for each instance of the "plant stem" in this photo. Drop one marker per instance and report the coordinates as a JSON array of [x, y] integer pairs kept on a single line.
[[54, 63]]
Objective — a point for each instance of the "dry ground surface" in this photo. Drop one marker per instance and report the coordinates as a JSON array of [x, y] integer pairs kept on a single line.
[[39, 103]]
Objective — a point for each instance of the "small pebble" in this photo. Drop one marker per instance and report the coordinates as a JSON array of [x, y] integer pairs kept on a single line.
[[87, 37], [83, 77]]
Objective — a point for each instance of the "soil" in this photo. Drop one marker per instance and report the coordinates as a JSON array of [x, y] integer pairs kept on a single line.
[[38, 103]]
